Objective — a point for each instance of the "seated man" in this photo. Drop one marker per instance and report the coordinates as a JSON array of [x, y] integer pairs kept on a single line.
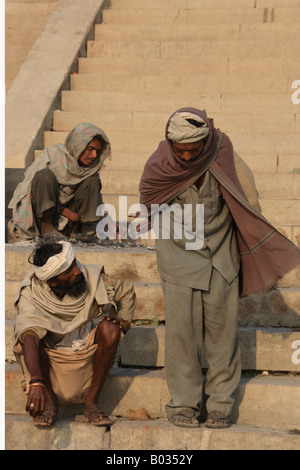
[[69, 324], [61, 189]]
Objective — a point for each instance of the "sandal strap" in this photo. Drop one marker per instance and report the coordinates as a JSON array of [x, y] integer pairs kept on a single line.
[[95, 409], [218, 416], [187, 413]]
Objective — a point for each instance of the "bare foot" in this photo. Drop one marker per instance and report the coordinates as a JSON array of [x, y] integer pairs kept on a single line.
[[47, 227]]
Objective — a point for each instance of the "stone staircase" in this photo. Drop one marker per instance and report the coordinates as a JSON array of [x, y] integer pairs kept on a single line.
[[145, 62], [24, 22]]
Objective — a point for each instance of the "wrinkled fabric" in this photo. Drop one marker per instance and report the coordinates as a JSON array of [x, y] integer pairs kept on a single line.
[[165, 175], [68, 327], [180, 130], [266, 254], [56, 264], [41, 311]]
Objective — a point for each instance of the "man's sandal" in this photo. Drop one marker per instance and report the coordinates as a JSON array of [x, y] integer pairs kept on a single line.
[[216, 419], [48, 416], [185, 418], [95, 416]]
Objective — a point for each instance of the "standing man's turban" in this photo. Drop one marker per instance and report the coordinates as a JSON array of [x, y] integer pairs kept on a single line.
[[182, 129]]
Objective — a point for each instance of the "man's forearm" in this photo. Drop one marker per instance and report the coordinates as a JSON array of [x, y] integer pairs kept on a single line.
[[32, 356]]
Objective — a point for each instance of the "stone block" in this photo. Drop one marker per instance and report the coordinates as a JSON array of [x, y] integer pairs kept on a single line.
[[155, 66], [162, 435], [169, 31], [186, 16], [180, 4], [281, 211], [68, 434], [279, 185]]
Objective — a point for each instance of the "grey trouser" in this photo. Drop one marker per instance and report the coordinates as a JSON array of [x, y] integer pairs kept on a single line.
[[192, 315], [45, 195]]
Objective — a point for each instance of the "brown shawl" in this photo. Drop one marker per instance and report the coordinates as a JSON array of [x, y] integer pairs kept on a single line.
[[266, 255]]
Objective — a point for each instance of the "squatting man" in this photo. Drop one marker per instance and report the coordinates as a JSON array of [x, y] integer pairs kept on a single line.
[[61, 189], [70, 320]]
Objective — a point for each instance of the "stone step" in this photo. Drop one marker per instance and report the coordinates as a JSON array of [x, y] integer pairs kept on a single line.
[[31, 1], [226, 31], [210, 65], [202, 4], [237, 125], [29, 8], [126, 181], [128, 391], [239, 103], [268, 185], [136, 102], [203, 15], [181, 4], [168, 49], [172, 83], [267, 349], [151, 435], [13, 37], [278, 308], [280, 212], [135, 264], [271, 161], [146, 142], [25, 21], [17, 52], [259, 163]]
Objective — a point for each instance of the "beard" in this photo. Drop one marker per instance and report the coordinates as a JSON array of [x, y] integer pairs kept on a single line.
[[78, 288], [75, 290]]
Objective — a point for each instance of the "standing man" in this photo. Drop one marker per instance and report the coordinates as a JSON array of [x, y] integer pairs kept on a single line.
[[69, 324], [240, 252], [60, 193]]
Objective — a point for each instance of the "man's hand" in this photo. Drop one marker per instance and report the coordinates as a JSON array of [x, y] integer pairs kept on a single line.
[[36, 399], [71, 215], [145, 225], [124, 325]]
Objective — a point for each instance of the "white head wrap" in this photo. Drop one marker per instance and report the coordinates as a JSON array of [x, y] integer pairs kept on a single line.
[[182, 131], [56, 264]]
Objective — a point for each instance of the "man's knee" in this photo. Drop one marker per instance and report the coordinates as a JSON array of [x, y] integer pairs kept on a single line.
[[92, 183], [108, 333], [44, 175]]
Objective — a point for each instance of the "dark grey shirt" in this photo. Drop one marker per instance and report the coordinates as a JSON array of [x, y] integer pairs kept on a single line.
[[193, 267]]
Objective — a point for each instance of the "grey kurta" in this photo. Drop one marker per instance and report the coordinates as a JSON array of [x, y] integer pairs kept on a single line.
[[193, 268]]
